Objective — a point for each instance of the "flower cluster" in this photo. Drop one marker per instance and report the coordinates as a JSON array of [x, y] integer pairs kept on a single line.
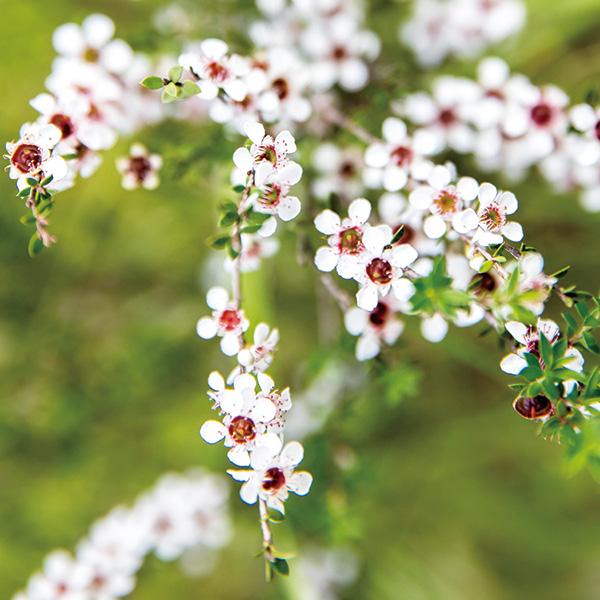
[[180, 513], [463, 28], [510, 124]]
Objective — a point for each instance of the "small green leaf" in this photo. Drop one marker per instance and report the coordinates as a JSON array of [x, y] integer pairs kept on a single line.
[[550, 390], [281, 566], [238, 189], [398, 235], [172, 90], [545, 351], [228, 219], [35, 245], [175, 73], [275, 516], [571, 324], [232, 253], [28, 219], [166, 97], [250, 229], [561, 273], [218, 241], [24, 192], [486, 266], [47, 181], [189, 88], [152, 82], [31, 182]]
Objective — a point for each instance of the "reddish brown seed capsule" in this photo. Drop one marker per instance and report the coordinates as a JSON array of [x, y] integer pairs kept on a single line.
[[534, 408]]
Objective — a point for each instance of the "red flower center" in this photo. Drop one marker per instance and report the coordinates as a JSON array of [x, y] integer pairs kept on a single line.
[[242, 430], [379, 314], [379, 271], [351, 241], [140, 166], [230, 319], [274, 480], [402, 156], [281, 88], [27, 158], [64, 124], [541, 114]]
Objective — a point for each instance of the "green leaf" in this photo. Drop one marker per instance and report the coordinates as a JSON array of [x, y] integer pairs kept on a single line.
[[229, 218], [219, 240], [47, 181], [172, 90], [232, 253], [152, 82], [513, 282], [250, 229], [550, 390], [24, 192], [398, 235], [486, 266], [533, 389], [281, 566], [546, 351], [165, 97], [189, 88], [238, 189], [275, 516], [28, 219], [531, 373], [571, 324], [175, 73], [561, 273], [35, 245]]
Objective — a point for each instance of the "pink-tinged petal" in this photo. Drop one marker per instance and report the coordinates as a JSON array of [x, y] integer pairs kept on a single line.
[[300, 483], [513, 231], [217, 297], [285, 142], [276, 504], [216, 381], [212, 432], [359, 211], [263, 411], [240, 475], [292, 454], [518, 331], [403, 255], [230, 344], [231, 402], [243, 160], [366, 298], [393, 130], [326, 259], [328, 222], [249, 491], [549, 328], [434, 227], [374, 240], [239, 456], [206, 328], [434, 329], [289, 208], [356, 320], [255, 131], [513, 364], [265, 382], [508, 202], [487, 193], [403, 289], [367, 347]]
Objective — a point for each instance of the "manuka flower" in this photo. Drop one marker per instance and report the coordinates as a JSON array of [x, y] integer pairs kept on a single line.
[[139, 168]]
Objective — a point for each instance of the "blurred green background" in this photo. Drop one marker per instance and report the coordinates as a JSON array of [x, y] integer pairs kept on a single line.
[[103, 378]]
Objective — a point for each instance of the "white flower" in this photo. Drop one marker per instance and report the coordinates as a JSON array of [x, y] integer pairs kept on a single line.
[[345, 238], [494, 206], [272, 197], [139, 168], [259, 356], [273, 477], [227, 321]]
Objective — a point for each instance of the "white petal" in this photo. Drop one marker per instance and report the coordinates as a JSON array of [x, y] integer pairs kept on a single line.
[[359, 211], [434, 227], [206, 328], [214, 48], [292, 454], [239, 456], [513, 231], [328, 222], [217, 297], [518, 331], [243, 160], [403, 289], [289, 208], [366, 298], [231, 402], [300, 483], [394, 130], [254, 131], [513, 364], [374, 240], [216, 381], [249, 491], [434, 328], [230, 344], [240, 475], [355, 320], [285, 142], [376, 155], [326, 259], [508, 202], [367, 347], [265, 382], [263, 411], [487, 193], [245, 381], [213, 432], [403, 255]]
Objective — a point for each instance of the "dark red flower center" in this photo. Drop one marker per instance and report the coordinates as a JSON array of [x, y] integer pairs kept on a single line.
[[64, 123], [380, 271], [242, 430], [274, 480], [447, 117], [140, 167], [281, 88], [216, 71], [534, 408], [27, 158], [402, 156], [379, 314], [541, 114]]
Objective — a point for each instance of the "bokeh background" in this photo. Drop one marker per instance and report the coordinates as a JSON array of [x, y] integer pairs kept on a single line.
[[448, 494]]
